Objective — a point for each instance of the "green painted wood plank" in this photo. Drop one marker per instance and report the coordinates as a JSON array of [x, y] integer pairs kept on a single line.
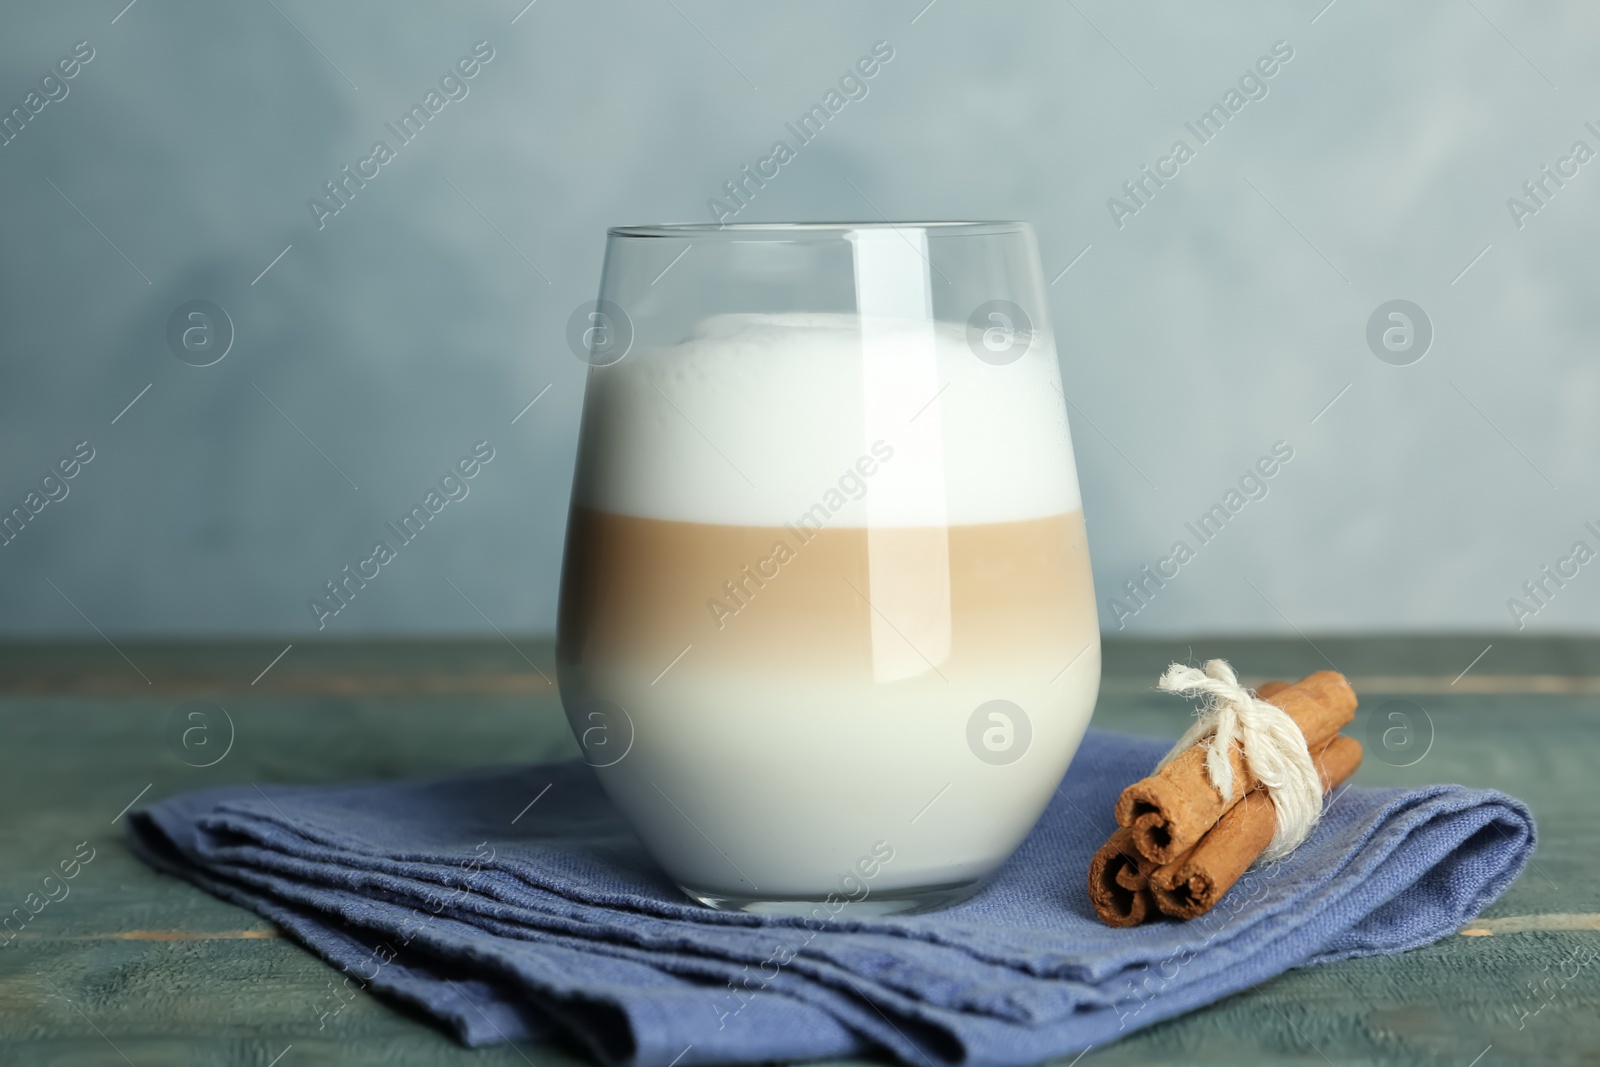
[[191, 987], [230, 666]]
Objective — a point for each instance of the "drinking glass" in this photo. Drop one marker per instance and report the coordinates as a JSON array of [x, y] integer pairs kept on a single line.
[[827, 627]]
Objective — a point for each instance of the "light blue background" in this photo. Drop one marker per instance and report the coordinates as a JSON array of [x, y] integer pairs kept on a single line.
[[1222, 318]]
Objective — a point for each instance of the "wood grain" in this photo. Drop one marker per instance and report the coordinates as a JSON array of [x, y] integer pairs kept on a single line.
[[168, 975]]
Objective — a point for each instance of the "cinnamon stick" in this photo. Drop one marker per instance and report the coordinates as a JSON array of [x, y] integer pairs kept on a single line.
[[1119, 878], [1192, 885], [1119, 882], [1170, 810]]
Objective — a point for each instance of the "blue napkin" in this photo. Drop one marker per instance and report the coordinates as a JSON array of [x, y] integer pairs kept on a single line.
[[549, 922]]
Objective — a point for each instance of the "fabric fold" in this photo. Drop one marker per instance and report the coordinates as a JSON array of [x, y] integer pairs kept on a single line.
[[554, 924]]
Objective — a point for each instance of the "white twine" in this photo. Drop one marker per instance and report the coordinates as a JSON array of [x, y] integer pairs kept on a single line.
[[1274, 748]]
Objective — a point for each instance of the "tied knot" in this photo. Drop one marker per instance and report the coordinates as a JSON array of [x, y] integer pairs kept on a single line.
[[1273, 747]]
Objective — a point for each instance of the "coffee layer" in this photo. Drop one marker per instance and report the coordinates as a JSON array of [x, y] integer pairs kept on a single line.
[[861, 604]]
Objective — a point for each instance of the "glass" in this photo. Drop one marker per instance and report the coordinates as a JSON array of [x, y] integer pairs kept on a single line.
[[827, 627]]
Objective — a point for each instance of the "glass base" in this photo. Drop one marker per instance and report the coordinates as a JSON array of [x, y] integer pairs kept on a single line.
[[910, 901]]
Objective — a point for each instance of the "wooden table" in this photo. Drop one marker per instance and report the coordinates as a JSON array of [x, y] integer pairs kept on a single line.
[[132, 967]]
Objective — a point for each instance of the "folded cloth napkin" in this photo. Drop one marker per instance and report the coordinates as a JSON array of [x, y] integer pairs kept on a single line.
[[554, 924]]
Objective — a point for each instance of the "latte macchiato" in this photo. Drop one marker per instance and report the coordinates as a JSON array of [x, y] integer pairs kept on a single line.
[[827, 595]]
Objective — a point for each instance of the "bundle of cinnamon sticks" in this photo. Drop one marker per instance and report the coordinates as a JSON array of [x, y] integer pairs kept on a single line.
[[1180, 845]]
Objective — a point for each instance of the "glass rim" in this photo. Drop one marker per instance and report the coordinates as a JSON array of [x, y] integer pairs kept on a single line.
[[734, 231]]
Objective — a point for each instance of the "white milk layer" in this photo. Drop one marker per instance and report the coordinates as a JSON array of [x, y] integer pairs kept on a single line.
[[755, 419], [776, 791]]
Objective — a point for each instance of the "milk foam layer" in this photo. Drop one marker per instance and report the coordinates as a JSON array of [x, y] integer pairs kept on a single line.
[[756, 419]]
